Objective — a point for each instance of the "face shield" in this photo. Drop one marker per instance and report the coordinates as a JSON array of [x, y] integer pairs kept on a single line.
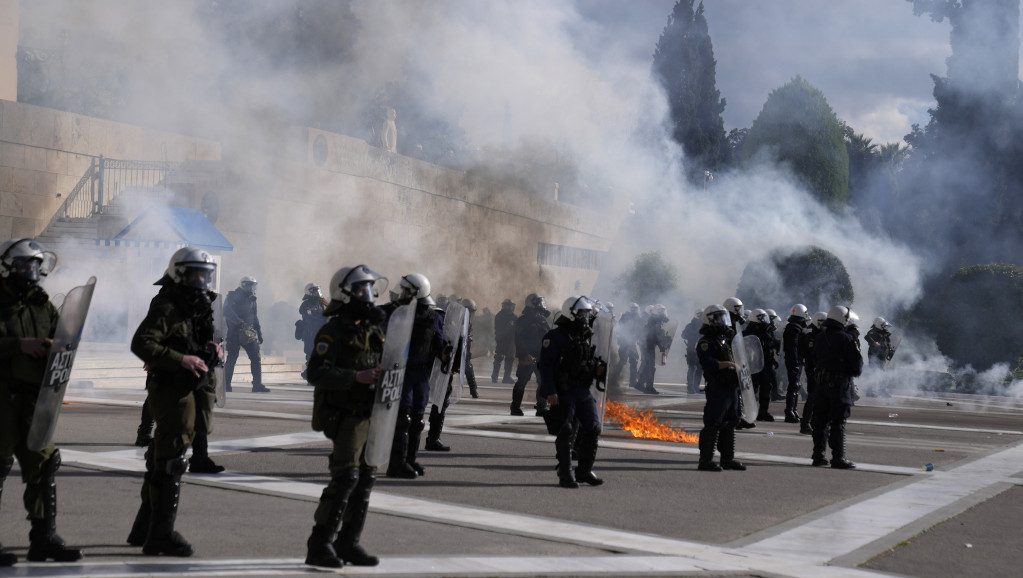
[[199, 277], [719, 319], [249, 287]]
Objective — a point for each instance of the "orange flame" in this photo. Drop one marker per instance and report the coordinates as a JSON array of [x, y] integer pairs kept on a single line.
[[643, 424]]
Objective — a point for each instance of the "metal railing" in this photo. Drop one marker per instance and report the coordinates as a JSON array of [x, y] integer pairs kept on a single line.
[[104, 181]]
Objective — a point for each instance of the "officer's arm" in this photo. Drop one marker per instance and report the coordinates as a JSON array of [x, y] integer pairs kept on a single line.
[[230, 315], [550, 352], [147, 343]]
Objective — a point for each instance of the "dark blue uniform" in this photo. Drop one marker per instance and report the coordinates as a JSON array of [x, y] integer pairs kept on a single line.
[[690, 335], [764, 381], [793, 364], [805, 350], [721, 413], [529, 331], [567, 368], [838, 361]]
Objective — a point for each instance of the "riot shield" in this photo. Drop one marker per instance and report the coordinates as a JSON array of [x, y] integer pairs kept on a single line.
[[453, 324], [748, 398], [388, 386], [218, 336], [457, 386], [670, 327], [58, 365], [754, 354], [603, 346], [896, 340]]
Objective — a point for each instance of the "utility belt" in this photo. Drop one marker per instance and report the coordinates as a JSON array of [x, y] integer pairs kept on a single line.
[[331, 416], [830, 377]]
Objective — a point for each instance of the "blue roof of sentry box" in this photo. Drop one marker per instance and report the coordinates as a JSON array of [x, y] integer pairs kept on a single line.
[[173, 226]]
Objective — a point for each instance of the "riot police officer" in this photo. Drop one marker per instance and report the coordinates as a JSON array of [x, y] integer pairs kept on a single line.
[[175, 341], [653, 338], [721, 412], [311, 310], [627, 336], [426, 345], [437, 414], [690, 335], [530, 328], [794, 328], [343, 370], [504, 339], [764, 380], [805, 350], [879, 351], [27, 327], [838, 361], [567, 370], [243, 332]]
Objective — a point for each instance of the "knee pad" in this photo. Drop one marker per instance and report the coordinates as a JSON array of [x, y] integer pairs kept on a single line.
[[6, 463], [177, 465], [51, 465], [418, 423]]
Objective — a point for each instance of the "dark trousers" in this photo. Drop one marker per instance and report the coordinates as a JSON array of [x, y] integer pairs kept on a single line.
[[252, 350]]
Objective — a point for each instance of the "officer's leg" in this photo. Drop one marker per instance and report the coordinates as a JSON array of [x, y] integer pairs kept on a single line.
[[307, 347], [563, 442], [200, 462], [821, 418], [348, 446], [522, 374], [541, 400], [470, 378], [433, 442], [398, 466], [806, 420], [6, 463], [415, 433], [766, 389], [792, 394], [589, 435], [633, 354], [347, 543], [145, 431], [175, 430], [39, 474], [840, 410], [140, 528], [726, 434], [713, 416], [256, 365], [232, 358], [497, 368]]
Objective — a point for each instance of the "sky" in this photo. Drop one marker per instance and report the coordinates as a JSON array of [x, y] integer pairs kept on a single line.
[[872, 59]]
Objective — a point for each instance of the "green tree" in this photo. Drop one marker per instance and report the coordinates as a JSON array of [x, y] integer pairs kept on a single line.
[[965, 313], [684, 64], [649, 280], [798, 127], [809, 275]]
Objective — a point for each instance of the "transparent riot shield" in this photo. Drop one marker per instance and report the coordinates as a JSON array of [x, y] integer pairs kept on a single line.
[[896, 340], [58, 365], [747, 397], [603, 346], [388, 386], [754, 354], [458, 385], [454, 315], [670, 327], [218, 336]]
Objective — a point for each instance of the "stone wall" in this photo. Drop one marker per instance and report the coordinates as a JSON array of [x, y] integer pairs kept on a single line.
[[44, 152], [332, 200]]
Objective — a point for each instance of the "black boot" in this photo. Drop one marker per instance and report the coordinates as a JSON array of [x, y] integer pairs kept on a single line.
[[517, 395], [200, 462], [708, 439], [497, 370], [820, 440], [140, 528], [791, 405], [43, 542], [415, 433], [347, 543], [587, 456], [398, 466], [256, 365], [164, 493], [433, 443], [507, 372], [6, 463], [333, 503], [726, 445], [837, 442], [563, 451]]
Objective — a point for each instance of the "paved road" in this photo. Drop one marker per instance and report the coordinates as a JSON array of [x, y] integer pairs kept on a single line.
[[492, 506]]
